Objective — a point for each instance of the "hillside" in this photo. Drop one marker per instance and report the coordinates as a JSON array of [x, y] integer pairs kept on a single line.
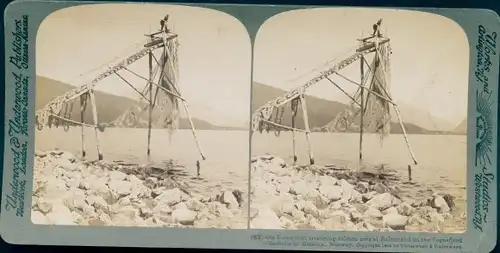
[[461, 128], [322, 111], [423, 119], [109, 106]]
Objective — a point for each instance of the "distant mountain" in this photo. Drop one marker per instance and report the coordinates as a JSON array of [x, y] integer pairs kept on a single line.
[[322, 111], [461, 128], [423, 119], [109, 107]]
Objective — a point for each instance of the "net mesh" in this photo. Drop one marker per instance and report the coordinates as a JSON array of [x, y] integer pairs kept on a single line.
[[377, 108], [377, 117], [165, 113]]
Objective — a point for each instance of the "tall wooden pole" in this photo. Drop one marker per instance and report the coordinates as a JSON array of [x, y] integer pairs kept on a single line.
[[294, 113], [151, 76], [362, 110], [306, 125], [83, 100], [96, 122], [186, 109], [398, 114]]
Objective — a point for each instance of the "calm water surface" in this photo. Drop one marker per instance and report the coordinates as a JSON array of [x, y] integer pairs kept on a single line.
[[227, 152], [442, 159]]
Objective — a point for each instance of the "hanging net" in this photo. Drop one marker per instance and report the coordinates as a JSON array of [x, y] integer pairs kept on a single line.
[[377, 117], [165, 112]]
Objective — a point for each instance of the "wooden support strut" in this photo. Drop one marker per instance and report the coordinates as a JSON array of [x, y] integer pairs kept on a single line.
[[69, 120], [132, 86], [75, 93], [150, 86], [283, 126], [362, 109], [374, 93], [83, 100], [96, 122], [156, 84], [186, 109], [398, 114], [343, 91], [360, 88], [400, 120], [294, 114], [342, 64], [306, 125]]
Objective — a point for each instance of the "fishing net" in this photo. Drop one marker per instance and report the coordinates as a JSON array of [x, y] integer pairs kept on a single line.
[[379, 117], [167, 104], [377, 109], [166, 113], [45, 117], [270, 118]]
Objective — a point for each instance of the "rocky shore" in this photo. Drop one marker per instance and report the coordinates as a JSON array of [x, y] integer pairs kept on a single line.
[[328, 198], [70, 191]]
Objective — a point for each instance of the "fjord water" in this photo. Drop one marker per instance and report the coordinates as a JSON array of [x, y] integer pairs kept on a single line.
[[441, 158]]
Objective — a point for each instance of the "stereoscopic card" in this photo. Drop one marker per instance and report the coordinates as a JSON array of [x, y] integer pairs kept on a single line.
[[250, 126]]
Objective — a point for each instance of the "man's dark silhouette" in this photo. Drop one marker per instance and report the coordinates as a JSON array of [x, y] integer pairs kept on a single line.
[[163, 24], [376, 28]]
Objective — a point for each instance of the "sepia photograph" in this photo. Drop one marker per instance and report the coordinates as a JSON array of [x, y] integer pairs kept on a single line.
[[142, 117], [359, 122]]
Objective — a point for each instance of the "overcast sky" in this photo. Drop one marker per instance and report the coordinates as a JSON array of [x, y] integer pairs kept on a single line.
[[214, 53], [430, 60]]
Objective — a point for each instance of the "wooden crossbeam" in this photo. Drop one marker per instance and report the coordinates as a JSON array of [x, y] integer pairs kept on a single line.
[[75, 93], [70, 121], [347, 94], [132, 86], [283, 126], [348, 79], [156, 84], [54, 107], [366, 48], [297, 91], [371, 45], [375, 93]]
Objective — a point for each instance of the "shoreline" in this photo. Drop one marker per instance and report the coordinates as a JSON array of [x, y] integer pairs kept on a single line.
[[71, 191], [285, 196]]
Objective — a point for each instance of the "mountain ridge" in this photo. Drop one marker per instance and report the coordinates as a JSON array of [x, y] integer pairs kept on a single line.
[[322, 111], [461, 128], [109, 106]]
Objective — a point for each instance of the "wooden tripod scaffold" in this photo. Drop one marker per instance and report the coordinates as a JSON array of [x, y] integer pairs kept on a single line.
[[161, 39], [265, 116]]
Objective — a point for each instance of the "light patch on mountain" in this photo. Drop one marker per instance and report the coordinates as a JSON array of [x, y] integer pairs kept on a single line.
[[413, 115], [461, 128]]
